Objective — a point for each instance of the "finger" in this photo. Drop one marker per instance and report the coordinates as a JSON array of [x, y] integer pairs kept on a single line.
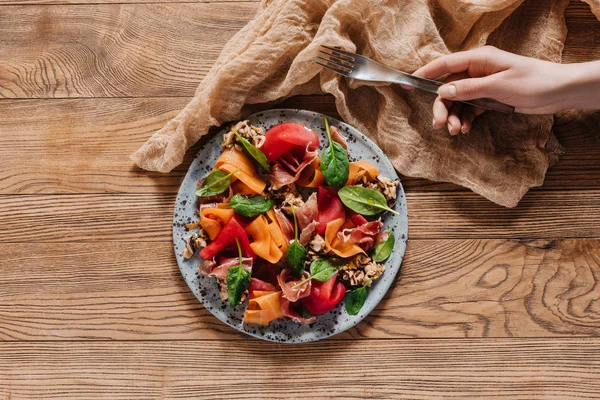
[[466, 118], [468, 115], [469, 89], [440, 112], [454, 124], [458, 62]]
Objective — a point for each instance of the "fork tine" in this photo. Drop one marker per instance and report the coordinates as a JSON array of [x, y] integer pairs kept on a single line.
[[337, 71], [336, 64], [342, 52], [338, 59]]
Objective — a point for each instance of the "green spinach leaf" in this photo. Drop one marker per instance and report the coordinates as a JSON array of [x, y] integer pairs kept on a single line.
[[322, 270], [215, 183], [355, 300], [250, 206], [253, 151], [295, 256], [335, 165], [364, 201], [238, 280], [296, 253], [384, 249]]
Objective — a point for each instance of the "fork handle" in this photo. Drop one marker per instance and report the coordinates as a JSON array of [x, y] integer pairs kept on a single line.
[[432, 86]]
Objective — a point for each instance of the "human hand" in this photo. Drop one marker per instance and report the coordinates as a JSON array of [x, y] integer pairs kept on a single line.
[[532, 86]]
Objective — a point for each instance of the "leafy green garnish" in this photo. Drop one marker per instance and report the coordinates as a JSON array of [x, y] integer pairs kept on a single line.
[[296, 253], [335, 165], [384, 249], [250, 206], [253, 151], [238, 280], [355, 300], [215, 183], [321, 270], [364, 201]]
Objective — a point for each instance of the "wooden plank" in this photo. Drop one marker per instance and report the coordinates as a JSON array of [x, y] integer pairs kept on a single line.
[[446, 289], [116, 50], [83, 146], [140, 50], [432, 215], [583, 38], [385, 369]]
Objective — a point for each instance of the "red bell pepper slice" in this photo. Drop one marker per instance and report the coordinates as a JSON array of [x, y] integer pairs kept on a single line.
[[324, 295], [283, 138], [260, 286], [329, 208], [226, 237]]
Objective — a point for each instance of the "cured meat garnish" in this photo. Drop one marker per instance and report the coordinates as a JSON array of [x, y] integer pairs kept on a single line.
[[289, 312], [363, 235], [288, 167], [287, 283]]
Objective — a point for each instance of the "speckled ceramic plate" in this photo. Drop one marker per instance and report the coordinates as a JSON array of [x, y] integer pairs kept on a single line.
[[206, 289]]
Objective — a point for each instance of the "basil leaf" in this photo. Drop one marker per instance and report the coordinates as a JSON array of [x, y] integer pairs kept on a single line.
[[384, 249], [322, 270], [238, 280], [335, 165], [355, 300], [253, 151], [215, 183], [295, 257], [250, 206], [364, 201]]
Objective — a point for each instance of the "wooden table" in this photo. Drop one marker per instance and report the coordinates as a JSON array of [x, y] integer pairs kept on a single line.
[[491, 302]]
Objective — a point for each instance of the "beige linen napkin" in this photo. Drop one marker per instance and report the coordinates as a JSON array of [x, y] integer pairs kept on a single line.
[[272, 58]]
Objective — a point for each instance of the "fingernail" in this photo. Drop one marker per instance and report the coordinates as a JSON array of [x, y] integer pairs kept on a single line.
[[447, 91], [433, 123], [449, 128], [464, 129]]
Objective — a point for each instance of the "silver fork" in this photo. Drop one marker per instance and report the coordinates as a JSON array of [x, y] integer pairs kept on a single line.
[[363, 68]]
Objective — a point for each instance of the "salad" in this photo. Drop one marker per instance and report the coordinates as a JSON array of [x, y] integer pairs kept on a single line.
[[288, 230]]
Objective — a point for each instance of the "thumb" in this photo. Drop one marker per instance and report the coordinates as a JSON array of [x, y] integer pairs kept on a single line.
[[467, 89]]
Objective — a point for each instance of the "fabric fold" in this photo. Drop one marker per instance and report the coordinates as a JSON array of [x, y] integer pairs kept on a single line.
[[272, 58]]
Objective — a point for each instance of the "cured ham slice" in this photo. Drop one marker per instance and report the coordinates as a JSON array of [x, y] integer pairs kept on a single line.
[[363, 235], [308, 212], [220, 272], [289, 312], [288, 168], [333, 243], [307, 233], [287, 282], [285, 224], [337, 136]]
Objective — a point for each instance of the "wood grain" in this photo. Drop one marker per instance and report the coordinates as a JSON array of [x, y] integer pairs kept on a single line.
[[141, 50], [83, 146], [446, 289], [136, 50], [433, 215], [383, 369]]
